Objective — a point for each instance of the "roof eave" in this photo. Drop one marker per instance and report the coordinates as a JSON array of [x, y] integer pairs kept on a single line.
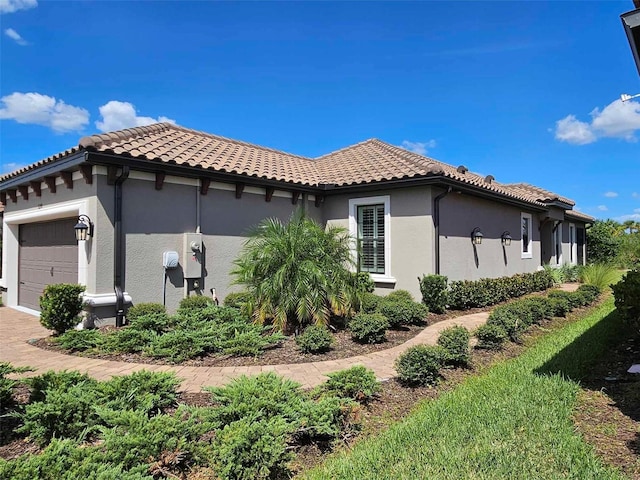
[[50, 168], [432, 180]]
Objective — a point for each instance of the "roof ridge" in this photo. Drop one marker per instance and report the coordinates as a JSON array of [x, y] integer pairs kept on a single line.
[[344, 149]]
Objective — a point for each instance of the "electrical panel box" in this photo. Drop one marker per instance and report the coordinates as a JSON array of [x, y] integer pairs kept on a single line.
[[193, 255], [170, 260]]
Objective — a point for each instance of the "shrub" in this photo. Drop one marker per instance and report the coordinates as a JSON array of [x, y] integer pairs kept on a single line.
[[434, 292], [420, 365], [194, 302], [154, 322], [51, 380], [364, 283], [590, 292], [176, 346], [538, 308], [400, 296], [7, 384], [627, 296], [368, 327], [402, 312], [142, 309], [298, 273], [559, 306], [249, 343], [60, 306], [248, 449], [557, 274], [149, 392], [315, 339], [63, 413], [236, 299], [572, 300], [570, 272], [79, 340], [600, 275], [509, 321], [491, 337], [358, 383], [370, 303], [455, 341], [128, 340]]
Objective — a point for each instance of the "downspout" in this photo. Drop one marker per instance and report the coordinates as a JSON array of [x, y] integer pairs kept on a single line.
[[198, 209], [118, 260], [436, 225]]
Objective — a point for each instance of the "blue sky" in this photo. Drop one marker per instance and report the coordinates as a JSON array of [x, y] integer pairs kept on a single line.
[[526, 91]]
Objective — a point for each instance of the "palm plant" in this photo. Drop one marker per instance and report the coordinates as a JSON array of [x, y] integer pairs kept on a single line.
[[296, 273]]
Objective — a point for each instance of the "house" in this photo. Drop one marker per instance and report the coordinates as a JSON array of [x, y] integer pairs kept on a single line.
[[169, 209]]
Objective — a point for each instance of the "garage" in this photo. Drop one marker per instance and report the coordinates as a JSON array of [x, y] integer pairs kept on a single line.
[[48, 254]]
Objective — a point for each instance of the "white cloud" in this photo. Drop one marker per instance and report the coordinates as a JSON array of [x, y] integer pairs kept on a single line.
[[12, 34], [572, 130], [617, 120], [37, 109], [635, 194], [10, 6], [611, 194], [632, 216], [118, 115], [418, 147], [602, 208]]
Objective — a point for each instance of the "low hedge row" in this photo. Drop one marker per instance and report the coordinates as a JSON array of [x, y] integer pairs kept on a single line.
[[466, 294], [509, 322]]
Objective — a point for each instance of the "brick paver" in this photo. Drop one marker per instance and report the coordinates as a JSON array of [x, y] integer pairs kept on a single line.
[[16, 328]]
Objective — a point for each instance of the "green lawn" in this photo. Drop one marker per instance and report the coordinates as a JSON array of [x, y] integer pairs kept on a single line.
[[514, 421]]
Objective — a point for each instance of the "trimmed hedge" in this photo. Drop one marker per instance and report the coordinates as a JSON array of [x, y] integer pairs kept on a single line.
[[466, 294], [455, 341], [369, 327], [315, 339], [627, 296], [60, 306], [434, 292], [420, 365]]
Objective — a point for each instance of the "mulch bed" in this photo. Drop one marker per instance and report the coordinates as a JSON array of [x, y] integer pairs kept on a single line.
[[286, 352], [608, 419]]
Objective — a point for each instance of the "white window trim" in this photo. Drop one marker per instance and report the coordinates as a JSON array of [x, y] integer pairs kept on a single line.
[[354, 203], [573, 244], [558, 254], [529, 252]]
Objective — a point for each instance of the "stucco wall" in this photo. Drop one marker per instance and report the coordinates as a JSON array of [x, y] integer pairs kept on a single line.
[[411, 233], [155, 221], [460, 259], [65, 203]]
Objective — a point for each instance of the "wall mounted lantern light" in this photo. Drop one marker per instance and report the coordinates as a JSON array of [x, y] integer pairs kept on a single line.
[[476, 236], [84, 228], [506, 238]]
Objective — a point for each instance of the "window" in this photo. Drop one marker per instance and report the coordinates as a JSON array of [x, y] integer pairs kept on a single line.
[[527, 243], [371, 238], [573, 251], [369, 224]]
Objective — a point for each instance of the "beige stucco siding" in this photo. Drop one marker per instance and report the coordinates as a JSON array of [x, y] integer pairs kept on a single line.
[[460, 259], [411, 231]]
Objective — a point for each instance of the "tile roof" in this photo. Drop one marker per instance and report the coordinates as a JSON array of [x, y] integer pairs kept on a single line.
[[365, 162]]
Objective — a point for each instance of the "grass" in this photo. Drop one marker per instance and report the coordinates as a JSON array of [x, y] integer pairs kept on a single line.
[[514, 421]]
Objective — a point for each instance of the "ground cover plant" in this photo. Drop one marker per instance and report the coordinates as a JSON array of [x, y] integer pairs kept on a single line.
[[130, 427], [514, 421], [193, 332]]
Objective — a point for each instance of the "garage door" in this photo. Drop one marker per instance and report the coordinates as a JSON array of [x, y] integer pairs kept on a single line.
[[48, 254]]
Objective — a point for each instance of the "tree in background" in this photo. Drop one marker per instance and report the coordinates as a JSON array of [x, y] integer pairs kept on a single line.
[[609, 241], [297, 273]]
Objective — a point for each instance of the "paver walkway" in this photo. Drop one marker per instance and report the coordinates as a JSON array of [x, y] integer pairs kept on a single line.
[[16, 328]]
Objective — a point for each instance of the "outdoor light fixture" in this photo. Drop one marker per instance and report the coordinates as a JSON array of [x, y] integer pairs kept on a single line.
[[476, 236], [83, 230], [506, 238]]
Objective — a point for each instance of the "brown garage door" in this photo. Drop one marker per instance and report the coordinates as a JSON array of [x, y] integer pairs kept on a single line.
[[48, 254]]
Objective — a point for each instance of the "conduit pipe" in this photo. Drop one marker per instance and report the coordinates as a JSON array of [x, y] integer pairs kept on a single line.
[[436, 225]]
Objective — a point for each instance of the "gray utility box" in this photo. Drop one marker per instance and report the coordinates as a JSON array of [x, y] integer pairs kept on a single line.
[[193, 255]]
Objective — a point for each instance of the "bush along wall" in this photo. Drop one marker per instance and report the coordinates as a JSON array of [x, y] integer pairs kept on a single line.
[[466, 294]]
